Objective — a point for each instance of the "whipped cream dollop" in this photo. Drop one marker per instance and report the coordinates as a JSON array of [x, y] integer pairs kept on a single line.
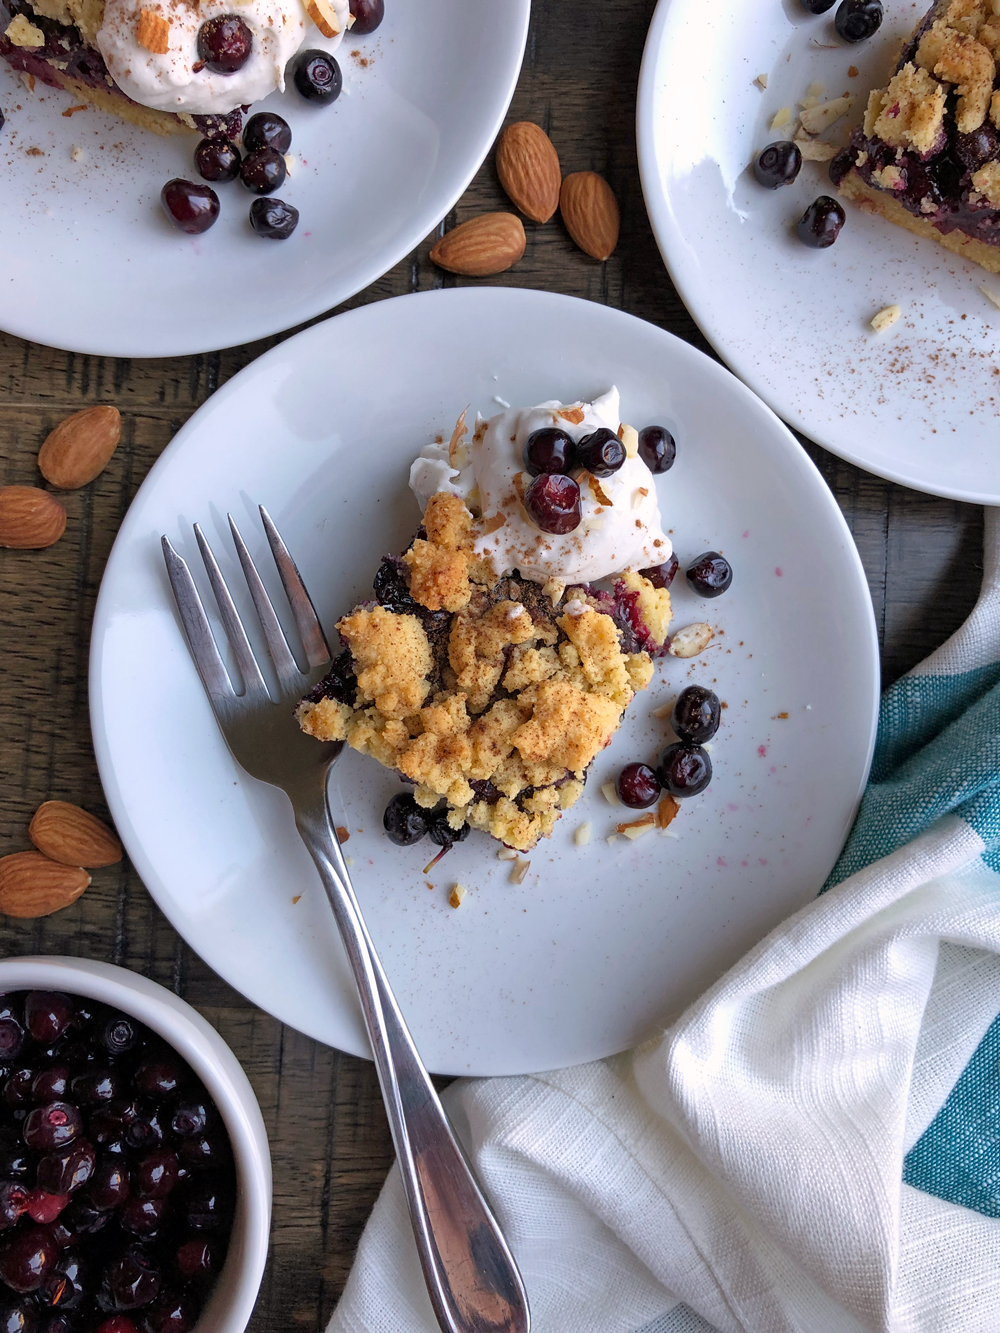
[[620, 527], [172, 80]]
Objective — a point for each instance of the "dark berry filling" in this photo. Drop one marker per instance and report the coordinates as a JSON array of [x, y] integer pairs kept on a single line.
[[661, 576]]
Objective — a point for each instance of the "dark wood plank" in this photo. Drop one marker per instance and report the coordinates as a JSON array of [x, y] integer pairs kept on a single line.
[[324, 1117]]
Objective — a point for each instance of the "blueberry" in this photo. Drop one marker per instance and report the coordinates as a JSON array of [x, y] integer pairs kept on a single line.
[[857, 20], [368, 14], [217, 160], [224, 44], [263, 171], [637, 786], [661, 576], [548, 450], [47, 1014], [817, 6], [684, 770], [317, 77], [191, 207], [273, 219], [404, 821], [553, 502], [819, 226], [442, 832], [267, 130], [778, 164], [710, 575], [697, 714], [601, 453], [52, 1126], [657, 448], [980, 146]]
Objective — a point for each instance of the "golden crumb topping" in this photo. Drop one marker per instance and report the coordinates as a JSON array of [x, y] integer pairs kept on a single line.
[[909, 113], [392, 658], [987, 181], [326, 720], [439, 565], [955, 57], [568, 725], [476, 648], [593, 658]]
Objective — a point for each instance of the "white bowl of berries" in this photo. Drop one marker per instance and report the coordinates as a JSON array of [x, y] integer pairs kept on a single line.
[[135, 1176]]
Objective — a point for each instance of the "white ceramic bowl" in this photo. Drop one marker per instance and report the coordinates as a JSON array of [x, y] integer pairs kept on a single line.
[[232, 1300]]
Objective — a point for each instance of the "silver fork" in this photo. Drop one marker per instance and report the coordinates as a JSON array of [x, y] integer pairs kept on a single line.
[[471, 1276]]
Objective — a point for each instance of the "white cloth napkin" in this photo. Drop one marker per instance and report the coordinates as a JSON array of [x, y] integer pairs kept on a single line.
[[745, 1170]]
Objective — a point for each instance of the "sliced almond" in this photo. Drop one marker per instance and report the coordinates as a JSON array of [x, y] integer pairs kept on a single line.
[[73, 837], [32, 885], [457, 895], [30, 518], [492, 524], [80, 447], [629, 437], [324, 16], [815, 150], [456, 445], [152, 31], [590, 212], [529, 171], [816, 119], [666, 811], [691, 640], [487, 244]]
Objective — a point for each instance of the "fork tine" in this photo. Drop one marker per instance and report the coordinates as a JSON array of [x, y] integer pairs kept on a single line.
[[256, 690], [289, 675], [204, 650], [307, 621]]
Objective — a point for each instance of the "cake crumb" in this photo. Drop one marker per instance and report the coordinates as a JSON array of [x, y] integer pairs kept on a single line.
[[518, 871], [430, 886], [885, 318], [72, 110], [761, 81], [852, 71], [342, 833], [582, 835], [457, 895], [296, 899], [78, 154], [348, 860]]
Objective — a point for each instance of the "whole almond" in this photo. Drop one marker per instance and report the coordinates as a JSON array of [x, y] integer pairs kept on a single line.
[[528, 167], [32, 885], [30, 518], [590, 211], [72, 836], [482, 246], [80, 447]]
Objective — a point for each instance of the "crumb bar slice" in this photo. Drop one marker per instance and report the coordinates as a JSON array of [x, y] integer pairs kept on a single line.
[[482, 692], [928, 155]]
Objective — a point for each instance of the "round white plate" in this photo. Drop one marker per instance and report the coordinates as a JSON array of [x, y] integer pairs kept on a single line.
[[88, 261], [599, 943], [919, 403]]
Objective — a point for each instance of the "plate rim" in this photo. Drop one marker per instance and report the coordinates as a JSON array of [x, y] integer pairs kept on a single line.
[[796, 455], [666, 232], [422, 224]]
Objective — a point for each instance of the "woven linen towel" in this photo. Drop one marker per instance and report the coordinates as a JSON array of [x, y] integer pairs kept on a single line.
[[815, 1144]]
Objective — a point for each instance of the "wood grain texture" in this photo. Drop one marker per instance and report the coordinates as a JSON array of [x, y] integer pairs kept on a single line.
[[323, 1112]]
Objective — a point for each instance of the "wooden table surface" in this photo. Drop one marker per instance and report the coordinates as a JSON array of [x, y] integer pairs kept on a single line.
[[329, 1141]]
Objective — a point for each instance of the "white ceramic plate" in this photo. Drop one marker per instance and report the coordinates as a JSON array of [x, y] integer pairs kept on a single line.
[[600, 943], [88, 261], [918, 404]]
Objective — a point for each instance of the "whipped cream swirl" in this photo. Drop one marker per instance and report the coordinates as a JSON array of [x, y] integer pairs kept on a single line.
[[173, 82], [620, 528]]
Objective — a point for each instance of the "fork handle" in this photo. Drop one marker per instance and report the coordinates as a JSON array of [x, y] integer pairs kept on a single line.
[[471, 1276]]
